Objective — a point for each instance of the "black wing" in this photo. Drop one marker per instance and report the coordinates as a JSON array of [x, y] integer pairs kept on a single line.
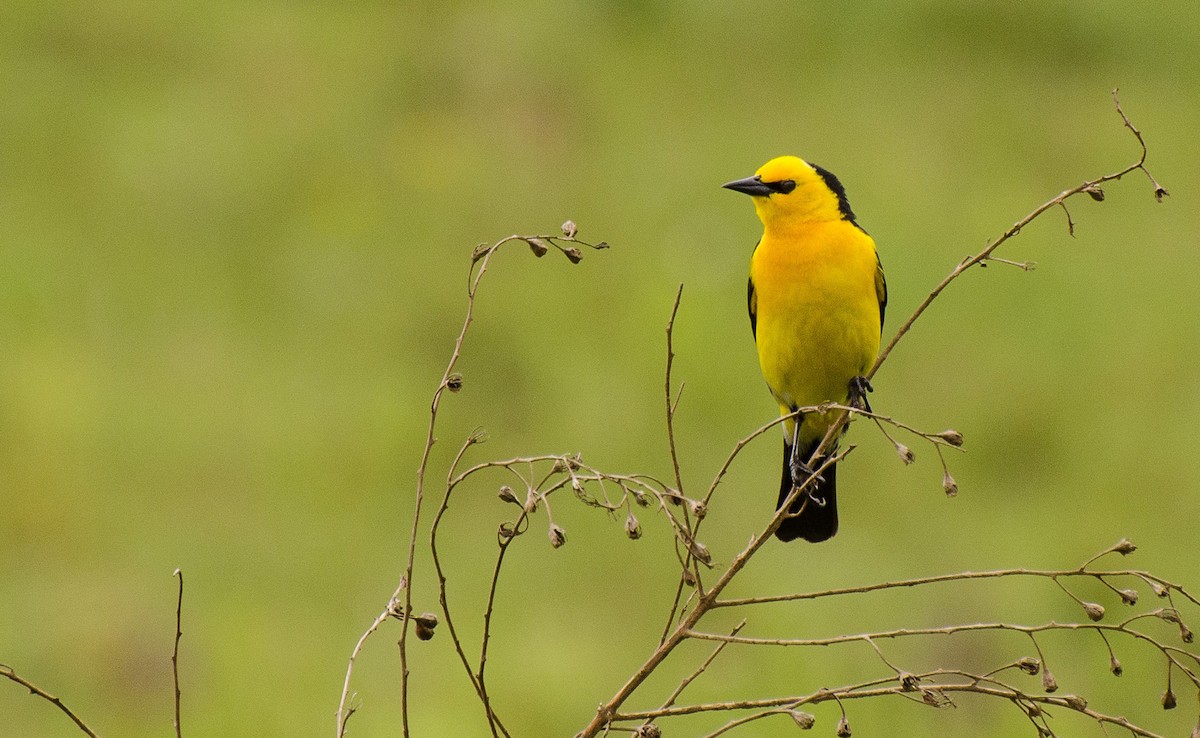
[[880, 290], [752, 301], [752, 306]]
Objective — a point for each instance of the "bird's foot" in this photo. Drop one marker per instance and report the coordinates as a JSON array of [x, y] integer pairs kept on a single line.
[[859, 387], [801, 472]]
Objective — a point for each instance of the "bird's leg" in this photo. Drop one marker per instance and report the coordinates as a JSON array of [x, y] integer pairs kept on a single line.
[[859, 387], [800, 468]]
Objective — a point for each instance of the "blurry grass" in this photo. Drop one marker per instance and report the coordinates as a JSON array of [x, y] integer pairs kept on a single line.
[[234, 240]]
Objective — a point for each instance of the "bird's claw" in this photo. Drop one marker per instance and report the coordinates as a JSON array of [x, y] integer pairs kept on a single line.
[[801, 472], [859, 387]]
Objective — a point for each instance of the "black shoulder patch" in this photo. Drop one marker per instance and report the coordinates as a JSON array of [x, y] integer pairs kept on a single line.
[[836, 187]]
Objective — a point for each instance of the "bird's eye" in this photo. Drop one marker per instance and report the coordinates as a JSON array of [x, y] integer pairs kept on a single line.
[[785, 186]]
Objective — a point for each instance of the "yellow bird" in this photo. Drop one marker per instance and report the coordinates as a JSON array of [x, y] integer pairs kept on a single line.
[[816, 298]]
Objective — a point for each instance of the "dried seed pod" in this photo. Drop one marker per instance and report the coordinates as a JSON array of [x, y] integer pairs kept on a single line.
[[557, 535], [843, 728], [803, 720], [1094, 611], [1075, 702], [633, 528], [1049, 683], [537, 246], [700, 551], [1029, 665], [1168, 700], [454, 382], [506, 494], [952, 437], [425, 624], [569, 229], [949, 485]]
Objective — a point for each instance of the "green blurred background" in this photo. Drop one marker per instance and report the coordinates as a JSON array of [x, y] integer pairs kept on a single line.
[[235, 239]]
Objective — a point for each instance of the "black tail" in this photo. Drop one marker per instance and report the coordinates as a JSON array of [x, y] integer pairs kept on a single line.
[[817, 522]]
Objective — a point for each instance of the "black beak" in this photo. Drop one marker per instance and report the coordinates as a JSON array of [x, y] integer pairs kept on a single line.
[[751, 186]]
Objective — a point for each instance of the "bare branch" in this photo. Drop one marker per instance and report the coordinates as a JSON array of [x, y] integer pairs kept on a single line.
[[8, 673], [175, 652], [869, 690], [400, 603], [671, 404], [706, 600], [345, 709], [1159, 191], [955, 577]]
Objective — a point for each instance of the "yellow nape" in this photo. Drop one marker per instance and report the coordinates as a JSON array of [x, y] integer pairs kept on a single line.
[[810, 201]]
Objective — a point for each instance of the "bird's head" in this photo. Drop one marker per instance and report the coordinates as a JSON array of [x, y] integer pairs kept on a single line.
[[789, 189]]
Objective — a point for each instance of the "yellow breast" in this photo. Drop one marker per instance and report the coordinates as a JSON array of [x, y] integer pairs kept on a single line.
[[817, 310]]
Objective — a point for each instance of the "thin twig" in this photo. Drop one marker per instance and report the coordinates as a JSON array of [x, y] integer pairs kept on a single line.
[[443, 594], [671, 404], [667, 386], [175, 652], [403, 608], [493, 721], [472, 287], [852, 692], [956, 577], [700, 669], [8, 673], [1159, 191], [400, 603], [1170, 652], [345, 710]]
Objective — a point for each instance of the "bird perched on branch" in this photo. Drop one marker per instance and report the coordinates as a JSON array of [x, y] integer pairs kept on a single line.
[[816, 298]]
